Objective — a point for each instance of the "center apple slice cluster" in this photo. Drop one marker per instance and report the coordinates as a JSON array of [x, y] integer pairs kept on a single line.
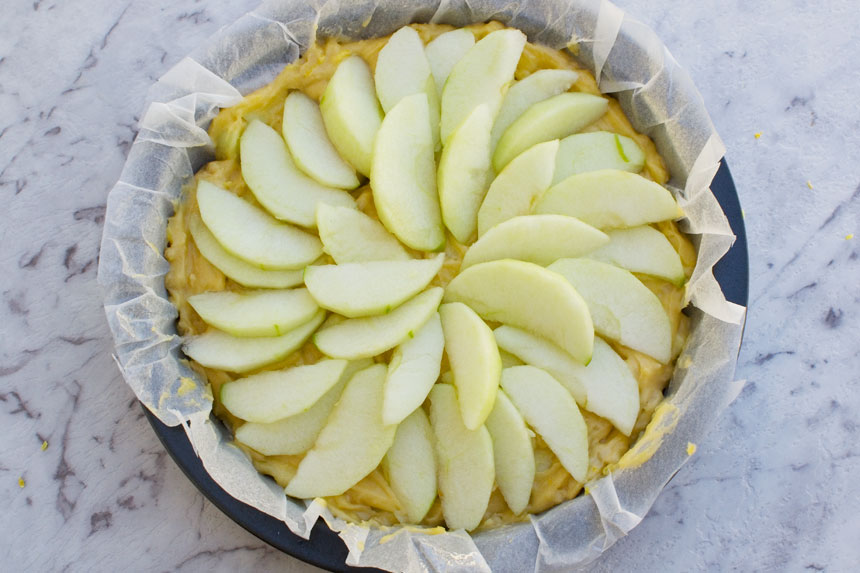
[[556, 221]]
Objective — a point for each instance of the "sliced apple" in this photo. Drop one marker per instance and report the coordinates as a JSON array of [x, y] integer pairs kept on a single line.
[[475, 362], [365, 337], [609, 199], [623, 309], [465, 461], [539, 239], [552, 412], [530, 297], [445, 51], [509, 359], [413, 370], [554, 118], [309, 145], [594, 151], [352, 443], [251, 234], [410, 465], [255, 313], [642, 250], [351, 113], [350, 236], [512, 452], [219, 350], [404, 176]]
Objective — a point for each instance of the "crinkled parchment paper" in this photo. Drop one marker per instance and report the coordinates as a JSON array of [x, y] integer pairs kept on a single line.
[[661, 101]]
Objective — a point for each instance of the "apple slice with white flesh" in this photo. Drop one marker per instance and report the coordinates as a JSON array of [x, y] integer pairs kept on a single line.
[[352, 443], [445, 51], [475, 362], [513, 453], [642, 250], [554, 118], [519, 184], [465, 461], [350, 236], [480, 77], [365, 337], [252, 234], [270, 396], [219, 350], [530, 297], [403, 176], [242, 272], [255, 313], [305, 135], [351, 112], [413, 370], [610, 199], [369, 288], [465, 173], [539, 239], [622, 308], [594, 151], [550, 409], [410, 465]]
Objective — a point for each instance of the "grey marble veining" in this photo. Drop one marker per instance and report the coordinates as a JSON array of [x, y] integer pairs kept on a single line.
[[774, 487]]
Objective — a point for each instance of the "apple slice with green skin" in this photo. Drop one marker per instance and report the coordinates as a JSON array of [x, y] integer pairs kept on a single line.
[[475, 362], [350, 236], [365, 337], [465, 173], [480, 77], [242, 272], [519, 184], [255, 313], [539, 239], [413, 370], [219, 350], [403, 177], [465, 461], [513, 453], [498, 291], [352, 443], [623, 309], [351, 112], [610, 199], [252, 234], [642, 250], [277, 183], [410, 465], [583, 152], [308, 142], [445, 51], [552, 412], [554, 118]]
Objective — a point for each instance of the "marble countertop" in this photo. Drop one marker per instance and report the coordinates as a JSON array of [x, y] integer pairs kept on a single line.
[[85, 484]]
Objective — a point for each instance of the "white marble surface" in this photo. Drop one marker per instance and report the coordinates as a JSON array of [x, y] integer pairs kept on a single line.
[[774, 487]]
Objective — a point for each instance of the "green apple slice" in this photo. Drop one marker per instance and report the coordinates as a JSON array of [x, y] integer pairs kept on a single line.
[[516, 188], [552, 412], [255, 313], [251, 234], [410, 465], [365, 337], [465, 173], [594, 151], [530, 297], [609, 199], [413, 370], [352, 443], [403, 177], [242, 272], [351, 113], [513, 453], [312, 150], [539, 239], [350, 236], [445, 51], [219, 350], [475, 362], [642, 250], [623, 309], [554, 118], [465, 461], [480, 77], [270, 396]]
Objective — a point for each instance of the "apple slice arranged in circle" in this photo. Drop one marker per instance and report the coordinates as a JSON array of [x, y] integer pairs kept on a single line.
[[255, 313], [410, 465], [595, 151], [350, 236], [445, 51], [513, 453], [642, 250]]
